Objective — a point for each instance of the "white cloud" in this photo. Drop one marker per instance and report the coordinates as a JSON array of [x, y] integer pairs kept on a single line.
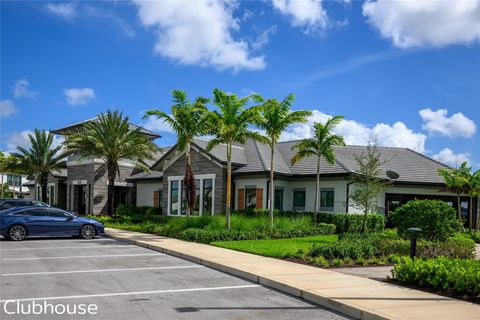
[[22, 89], [18, 139], [78, 96], [304, 13], [198, 33], [425, 23], [456, 125], [264, 38], [7, 108], [447, 156], [356, 133], [64, 10], [154, 124], [21, 139]]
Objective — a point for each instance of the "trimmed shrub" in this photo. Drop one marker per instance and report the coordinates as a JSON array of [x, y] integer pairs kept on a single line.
[[360, 246], [436, 219], [211, 235], [350, 222], [460, 276]]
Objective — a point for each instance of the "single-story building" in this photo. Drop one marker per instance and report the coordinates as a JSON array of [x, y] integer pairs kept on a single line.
[[294, 184]]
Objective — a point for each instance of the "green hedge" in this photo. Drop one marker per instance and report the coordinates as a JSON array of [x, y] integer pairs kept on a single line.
[[460, 276], [345, 222], [436, 219], [209, 236], [358, 246]]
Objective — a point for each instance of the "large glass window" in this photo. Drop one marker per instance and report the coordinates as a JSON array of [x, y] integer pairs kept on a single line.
[[174, 198], [207, 196], [299, 198], [327, 199], [51, 195], [14, 180], [196, 208], [250, 198]]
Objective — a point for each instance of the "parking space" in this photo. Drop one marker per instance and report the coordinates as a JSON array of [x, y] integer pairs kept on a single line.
[[129, 282]]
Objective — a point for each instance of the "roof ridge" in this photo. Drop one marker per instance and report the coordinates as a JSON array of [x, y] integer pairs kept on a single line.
[[283, 158], [259, 154], [429, 158]]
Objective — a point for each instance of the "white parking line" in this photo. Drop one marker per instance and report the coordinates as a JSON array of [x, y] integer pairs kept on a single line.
[[73, 247], [132, 293], [99, 270], [81, 257]]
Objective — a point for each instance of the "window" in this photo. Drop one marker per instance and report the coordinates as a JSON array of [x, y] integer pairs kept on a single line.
[[327, 199], [7, 205], [14, 180], [250, 198], [174, 198], [38, 212], [57, 213], [204, 190], [51, 195], [299, 198], [278, 199], [207, 196]]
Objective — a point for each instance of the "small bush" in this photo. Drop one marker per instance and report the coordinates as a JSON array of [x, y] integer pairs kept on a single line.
[[126, 210], [460, 276], [436, 219], [350, 222]]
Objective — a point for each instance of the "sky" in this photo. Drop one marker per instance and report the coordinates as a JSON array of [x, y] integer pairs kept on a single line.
[[403, 73]]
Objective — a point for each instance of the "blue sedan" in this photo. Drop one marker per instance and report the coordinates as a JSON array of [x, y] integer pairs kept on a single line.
[[19, 223]]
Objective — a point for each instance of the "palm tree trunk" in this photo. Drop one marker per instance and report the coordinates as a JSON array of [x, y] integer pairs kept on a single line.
[[187, 183], [44, 186], [272, 187], [229, 183], [111, 172], [317, 192]]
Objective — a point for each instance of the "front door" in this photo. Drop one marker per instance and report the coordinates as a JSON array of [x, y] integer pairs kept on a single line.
[[278, 205], [81, 196]]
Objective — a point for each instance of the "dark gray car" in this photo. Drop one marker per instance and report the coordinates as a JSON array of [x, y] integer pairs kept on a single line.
[[15, 203]]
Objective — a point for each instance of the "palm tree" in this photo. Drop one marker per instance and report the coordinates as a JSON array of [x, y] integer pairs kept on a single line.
[[111, 139], [471, 183], [276, 118], [455, 180], [229, 125], [187, 120], [41, 159], [320, 145]]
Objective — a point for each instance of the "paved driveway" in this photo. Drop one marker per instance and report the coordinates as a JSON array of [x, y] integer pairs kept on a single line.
[[130, 282]]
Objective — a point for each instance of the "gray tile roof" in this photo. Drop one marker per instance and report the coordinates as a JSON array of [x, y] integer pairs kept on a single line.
[[220, 151], [411, 166], [146, 175], [254, 157], [77, 125]]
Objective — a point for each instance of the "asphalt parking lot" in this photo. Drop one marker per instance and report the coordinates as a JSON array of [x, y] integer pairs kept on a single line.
[[129, 282]]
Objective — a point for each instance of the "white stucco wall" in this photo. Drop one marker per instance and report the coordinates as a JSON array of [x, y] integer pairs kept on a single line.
[[145, 191], [339, 185]]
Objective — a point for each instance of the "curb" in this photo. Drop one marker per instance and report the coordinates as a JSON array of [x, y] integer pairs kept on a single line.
[[326, 302]]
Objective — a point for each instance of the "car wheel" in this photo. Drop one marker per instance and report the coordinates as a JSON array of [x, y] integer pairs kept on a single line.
[[17, 233], [88, 231]]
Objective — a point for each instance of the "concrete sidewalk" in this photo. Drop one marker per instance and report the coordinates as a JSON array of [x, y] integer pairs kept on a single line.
[[356, 297]]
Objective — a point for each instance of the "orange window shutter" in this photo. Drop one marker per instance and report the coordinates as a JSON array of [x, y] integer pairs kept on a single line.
[[241, 199], [259, 198], [155, 199]]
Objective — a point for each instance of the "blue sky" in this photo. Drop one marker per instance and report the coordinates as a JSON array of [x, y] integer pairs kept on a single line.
[[404, 73]]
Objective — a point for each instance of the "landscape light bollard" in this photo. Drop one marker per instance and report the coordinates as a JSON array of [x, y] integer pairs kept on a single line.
[[413, 241]]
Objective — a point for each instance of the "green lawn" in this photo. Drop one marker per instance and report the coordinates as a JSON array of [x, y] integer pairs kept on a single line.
[[279, 248]]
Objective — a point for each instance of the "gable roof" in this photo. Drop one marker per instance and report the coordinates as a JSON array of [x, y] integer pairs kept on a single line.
[[78, 125], [254, 158]]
